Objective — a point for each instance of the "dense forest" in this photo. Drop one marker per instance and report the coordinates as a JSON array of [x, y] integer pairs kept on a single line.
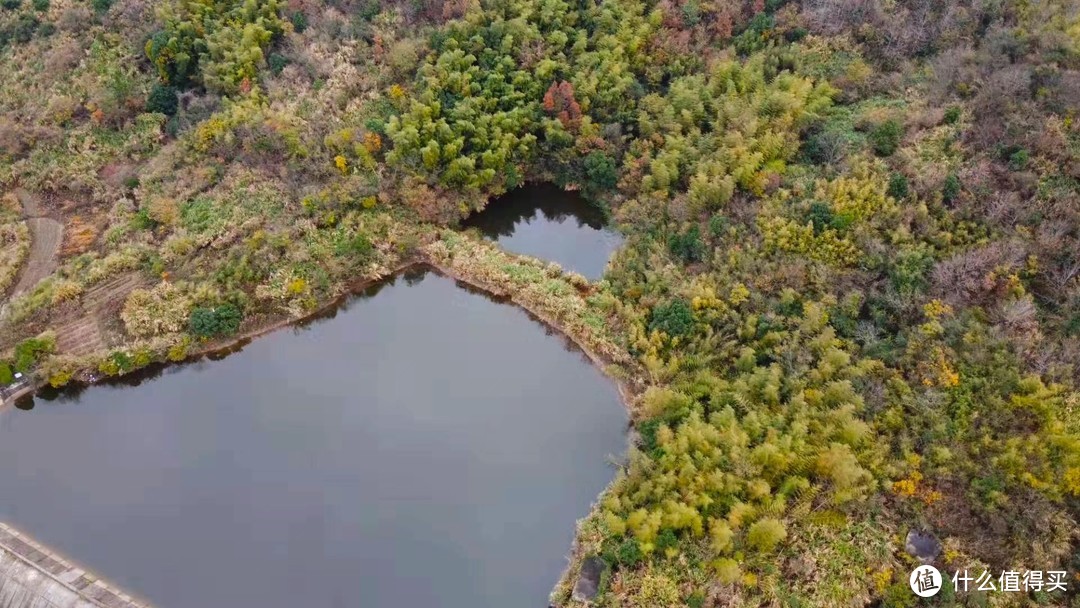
[[848, 305]]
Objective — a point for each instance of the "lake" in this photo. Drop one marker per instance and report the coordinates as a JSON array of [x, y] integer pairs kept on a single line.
[[546, 222], [421, 446]]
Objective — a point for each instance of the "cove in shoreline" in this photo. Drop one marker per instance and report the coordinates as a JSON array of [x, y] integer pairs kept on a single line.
[[546, 222]]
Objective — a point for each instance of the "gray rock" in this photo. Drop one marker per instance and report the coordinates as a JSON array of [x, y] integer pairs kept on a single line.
[[588, 582], [922, 545]]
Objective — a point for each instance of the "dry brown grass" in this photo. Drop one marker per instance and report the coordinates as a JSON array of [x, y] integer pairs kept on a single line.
[[14, 247], [80, 236]]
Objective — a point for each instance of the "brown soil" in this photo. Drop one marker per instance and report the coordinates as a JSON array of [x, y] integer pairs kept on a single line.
[[109, 296], [46, 234], [81, 336], [116, 174], [86, 332], [45, 237]]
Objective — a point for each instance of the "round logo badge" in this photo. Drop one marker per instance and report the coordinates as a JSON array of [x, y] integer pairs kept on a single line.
[[925, 581]]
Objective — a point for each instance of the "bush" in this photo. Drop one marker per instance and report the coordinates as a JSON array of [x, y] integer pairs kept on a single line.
[[718, 225], [359, 246], [22, 31], [910, 270], [756, 35], [10, 5], [141, 220], [162, 99], [123, 361], [796, 34], [824, 148], [369, 9], [952, 115], [40, 5], [30, 350], [601, 170], [666, 540], [277, 63], [629, 553], [299, 22], [7, 376], [950, 190], [820, 216], [647, 431], [101, 5], [1018, 160], [765, 534], [1072, 328], [60, 378], [223, 320], [688, 246], [898, 186], [885, 138], [691, 13], [674, 318]]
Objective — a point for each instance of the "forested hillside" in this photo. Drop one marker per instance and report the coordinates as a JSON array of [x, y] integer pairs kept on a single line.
[[849, 295]]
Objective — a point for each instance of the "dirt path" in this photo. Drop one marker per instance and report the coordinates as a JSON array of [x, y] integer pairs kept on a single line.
[[30, 204], [46, 236]]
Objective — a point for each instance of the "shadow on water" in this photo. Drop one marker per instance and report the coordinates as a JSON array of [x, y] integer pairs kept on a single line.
[[411, 276], [503, 215], [73, 390]]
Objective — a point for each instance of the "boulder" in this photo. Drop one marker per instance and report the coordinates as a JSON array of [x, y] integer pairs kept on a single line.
[[588, 582], [923, 546]]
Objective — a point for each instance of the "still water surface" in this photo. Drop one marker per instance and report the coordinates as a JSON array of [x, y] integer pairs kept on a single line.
[[425, 447], [546, 222]]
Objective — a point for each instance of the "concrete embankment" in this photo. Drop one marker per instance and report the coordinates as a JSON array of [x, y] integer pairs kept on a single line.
[[11, 394], [33, 576]]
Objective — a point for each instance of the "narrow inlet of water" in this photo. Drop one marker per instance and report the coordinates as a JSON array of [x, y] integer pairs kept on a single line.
[[545, 222]]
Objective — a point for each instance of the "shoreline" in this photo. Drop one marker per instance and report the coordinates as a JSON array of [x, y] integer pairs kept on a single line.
[[29, 389], [224, 347], [627, 394]]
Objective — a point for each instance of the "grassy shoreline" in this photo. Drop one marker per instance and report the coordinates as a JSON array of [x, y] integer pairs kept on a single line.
[[600, 350]]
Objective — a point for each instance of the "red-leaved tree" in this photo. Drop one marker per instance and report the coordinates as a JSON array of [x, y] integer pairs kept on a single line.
[[559, 101]]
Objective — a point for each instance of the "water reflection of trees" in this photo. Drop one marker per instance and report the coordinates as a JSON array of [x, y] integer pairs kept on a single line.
[[503, 214], [411, 276]]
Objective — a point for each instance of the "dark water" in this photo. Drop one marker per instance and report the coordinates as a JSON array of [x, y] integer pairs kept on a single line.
[[545, 222], [426, 447]]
